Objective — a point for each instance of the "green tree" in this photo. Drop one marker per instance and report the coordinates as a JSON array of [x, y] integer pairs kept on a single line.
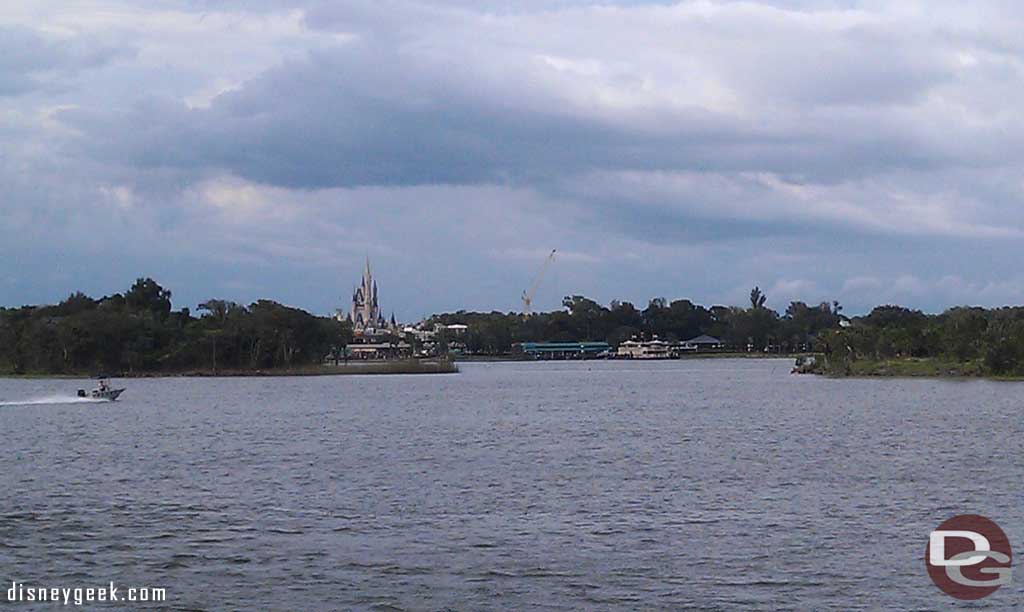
[[147, 295], [963, 332]]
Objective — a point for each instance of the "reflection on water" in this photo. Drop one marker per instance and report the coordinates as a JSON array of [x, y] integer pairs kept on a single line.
[[719, 484]]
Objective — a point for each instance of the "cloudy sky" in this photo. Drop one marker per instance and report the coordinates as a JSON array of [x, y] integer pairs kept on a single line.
[[868, 151]]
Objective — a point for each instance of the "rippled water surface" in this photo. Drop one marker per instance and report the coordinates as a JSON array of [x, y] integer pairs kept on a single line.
[[713, 484]]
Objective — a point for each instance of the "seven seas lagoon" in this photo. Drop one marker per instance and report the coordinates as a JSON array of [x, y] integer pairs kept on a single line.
[[719, 484]]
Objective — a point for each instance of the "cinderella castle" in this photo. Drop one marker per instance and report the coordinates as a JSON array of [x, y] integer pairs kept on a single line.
[[365, 316]]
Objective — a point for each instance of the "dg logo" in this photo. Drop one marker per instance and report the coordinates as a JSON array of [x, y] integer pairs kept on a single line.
[[968, 557]]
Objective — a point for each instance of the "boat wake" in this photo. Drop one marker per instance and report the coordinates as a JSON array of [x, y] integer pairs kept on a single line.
[[52, 399]]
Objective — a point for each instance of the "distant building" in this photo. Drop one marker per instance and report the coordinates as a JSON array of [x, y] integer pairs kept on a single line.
[[704, 342], [562, 350], [455, 328], [365, 314], [379, 350], [425, 332]]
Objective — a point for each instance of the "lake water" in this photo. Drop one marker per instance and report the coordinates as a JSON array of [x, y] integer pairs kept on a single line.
[[713, 484]]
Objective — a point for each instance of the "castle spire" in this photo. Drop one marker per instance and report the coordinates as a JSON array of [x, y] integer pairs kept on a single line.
[[365, 310]]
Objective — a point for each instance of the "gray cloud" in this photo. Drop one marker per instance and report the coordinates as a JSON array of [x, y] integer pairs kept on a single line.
[[436, 96], [695, 148], [30, 61]]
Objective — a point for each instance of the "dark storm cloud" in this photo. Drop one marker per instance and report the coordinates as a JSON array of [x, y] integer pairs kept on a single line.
[[367, 114]]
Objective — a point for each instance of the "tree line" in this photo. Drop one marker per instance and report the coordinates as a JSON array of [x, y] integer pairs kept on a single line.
[[989, 341], [756, 327], [137, 331], [977, 340]]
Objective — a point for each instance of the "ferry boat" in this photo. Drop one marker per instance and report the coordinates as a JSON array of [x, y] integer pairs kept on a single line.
[[652, 349]]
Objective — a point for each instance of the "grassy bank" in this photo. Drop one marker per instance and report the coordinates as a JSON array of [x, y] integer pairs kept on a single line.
[[905, 368], [404, 366]]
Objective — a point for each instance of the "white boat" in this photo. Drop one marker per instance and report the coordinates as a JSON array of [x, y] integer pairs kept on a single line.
[[102, 391]]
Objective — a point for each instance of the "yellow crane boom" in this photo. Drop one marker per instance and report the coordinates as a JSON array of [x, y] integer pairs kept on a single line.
[[528, 294]]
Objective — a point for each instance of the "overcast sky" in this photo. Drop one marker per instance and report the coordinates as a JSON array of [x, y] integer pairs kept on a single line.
[[868, 152]]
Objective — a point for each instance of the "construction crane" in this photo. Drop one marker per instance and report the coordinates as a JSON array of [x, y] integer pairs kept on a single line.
[[528, 294]]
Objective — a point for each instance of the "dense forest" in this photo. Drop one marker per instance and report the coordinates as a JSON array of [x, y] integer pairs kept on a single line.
[[138, 332]]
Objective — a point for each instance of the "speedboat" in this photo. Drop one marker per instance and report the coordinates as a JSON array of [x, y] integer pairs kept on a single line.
[[103, 390]]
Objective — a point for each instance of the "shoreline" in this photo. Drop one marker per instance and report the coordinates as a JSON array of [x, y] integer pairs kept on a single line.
[[353, 368], [906, 368], [914, 368], [379, 368], [708, 355]]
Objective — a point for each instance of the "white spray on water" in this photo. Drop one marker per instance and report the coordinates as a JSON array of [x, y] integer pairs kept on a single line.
[[53, 399]]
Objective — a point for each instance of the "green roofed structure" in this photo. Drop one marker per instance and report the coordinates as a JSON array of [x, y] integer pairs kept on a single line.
[[563, 350]]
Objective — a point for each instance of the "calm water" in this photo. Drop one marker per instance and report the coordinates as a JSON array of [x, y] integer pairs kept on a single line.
[[718, 484]]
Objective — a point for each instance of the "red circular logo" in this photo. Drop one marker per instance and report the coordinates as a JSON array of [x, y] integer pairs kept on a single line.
[[968, 557]]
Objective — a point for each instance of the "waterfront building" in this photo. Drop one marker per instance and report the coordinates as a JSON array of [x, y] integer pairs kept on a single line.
[[562, 350], [379, 350], [704, 343], [455, 329]]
